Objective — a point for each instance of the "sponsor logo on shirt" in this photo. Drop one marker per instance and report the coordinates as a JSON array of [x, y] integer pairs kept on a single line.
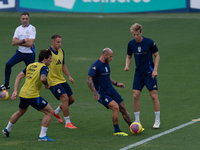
[[94, 68], [58, 62]]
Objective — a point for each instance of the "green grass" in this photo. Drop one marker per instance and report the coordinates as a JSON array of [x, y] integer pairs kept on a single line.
[[84, 37]]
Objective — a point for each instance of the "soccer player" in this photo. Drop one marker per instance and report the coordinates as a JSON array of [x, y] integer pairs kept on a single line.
[[101, 84], [24, 38], [58, 85], [146, 70], [36, 75]]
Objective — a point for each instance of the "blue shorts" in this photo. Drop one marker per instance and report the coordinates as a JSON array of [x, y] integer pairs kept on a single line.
[[107, 97], [60, 89], [37, 103], [144, 79]]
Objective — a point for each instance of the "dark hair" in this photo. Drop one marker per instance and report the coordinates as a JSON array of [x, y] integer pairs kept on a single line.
[[44, 54], [24, 13], [56, 36]]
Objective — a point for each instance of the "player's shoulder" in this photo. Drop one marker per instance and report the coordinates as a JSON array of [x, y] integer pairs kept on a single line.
[[132, 41], [146, 39], [96, 63], [19, 27], [32, 28]]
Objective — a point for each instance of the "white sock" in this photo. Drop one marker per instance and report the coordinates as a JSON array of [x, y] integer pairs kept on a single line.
[[43, 131], [9, 126], [137, 116], [157, 115], [58, 110], [67, 120]]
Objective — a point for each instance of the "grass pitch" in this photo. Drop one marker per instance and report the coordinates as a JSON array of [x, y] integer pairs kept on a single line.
[[84, 37]]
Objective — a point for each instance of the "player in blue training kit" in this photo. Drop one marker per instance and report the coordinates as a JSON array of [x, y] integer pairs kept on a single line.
[[101, 84], [146, 70], [24, 37]]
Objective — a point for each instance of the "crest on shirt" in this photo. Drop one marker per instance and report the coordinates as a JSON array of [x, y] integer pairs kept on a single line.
[[139, 49], [106, 69], [27, 32]]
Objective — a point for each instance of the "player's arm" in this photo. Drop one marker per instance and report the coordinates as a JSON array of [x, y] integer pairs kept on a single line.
[[128, 62], [66, 72], [116, 83], [17, 82], [24, 42], [43, 76], [44, 80], [92, 87], [156, 63]]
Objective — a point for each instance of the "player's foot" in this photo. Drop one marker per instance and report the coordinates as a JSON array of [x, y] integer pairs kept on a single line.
[[58, 118], [4, 87], [142, 130], [70, 125], [120, 134], [156, 124], [45, 138], [5, 133]]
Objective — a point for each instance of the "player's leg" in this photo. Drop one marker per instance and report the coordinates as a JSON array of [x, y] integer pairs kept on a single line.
[[28, 58], [136, 105], [45, 123], [42, 105], [14, 118], [16, 58], [115, 118], [138, 85], [156, 105], [65, 108], [119, 100], [125, 113], [151, 85]]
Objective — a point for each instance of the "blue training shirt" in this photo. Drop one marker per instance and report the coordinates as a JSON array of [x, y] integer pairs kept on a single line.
[[101, 76], [143, 54]]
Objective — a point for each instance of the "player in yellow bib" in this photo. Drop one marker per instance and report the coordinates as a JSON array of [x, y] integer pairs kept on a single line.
[[36, 75], [58, 85]]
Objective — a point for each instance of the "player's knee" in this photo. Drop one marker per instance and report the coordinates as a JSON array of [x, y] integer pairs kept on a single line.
[[9, 65], [136, 96], [115, 108]]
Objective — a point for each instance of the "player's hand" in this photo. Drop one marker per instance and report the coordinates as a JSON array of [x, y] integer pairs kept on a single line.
[[71, 80], [47, 86], [14, 95], [120, 85], [126, 68], [154, 74], [96, 96]]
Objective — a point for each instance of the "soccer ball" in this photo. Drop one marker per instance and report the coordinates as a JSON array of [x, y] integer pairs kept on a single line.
[[135, 127], [4, 95]]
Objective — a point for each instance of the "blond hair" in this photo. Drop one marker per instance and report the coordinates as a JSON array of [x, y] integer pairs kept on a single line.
[[136, 27]]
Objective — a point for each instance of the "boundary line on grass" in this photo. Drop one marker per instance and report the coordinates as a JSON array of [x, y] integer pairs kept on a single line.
[[158, 135]]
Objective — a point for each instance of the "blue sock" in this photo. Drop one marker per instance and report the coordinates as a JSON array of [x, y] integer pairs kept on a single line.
[[116, 128]]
